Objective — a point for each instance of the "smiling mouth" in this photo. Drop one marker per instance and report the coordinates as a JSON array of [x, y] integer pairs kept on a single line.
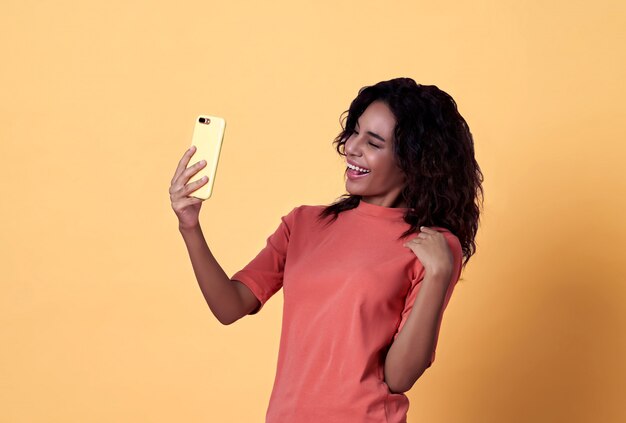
[[358, 169], [352, 173]]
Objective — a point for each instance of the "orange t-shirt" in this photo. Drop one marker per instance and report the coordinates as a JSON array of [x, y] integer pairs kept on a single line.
[[348, 288]]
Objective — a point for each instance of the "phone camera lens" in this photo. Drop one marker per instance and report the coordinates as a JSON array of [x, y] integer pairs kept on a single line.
[[202, 120]]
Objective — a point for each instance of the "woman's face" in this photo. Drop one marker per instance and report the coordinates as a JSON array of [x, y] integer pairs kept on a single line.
[[371, 147]]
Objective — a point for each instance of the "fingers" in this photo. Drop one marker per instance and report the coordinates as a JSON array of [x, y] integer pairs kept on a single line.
[[422, 235], [184, 177], [425, 233], [183, 174], [195, 185], [182, 164], [177, 193], [415, 240]]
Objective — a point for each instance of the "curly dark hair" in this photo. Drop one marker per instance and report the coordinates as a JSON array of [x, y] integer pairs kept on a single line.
[[434, 148]]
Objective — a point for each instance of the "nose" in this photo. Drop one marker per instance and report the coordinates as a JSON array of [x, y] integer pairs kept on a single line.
[[353, 146]]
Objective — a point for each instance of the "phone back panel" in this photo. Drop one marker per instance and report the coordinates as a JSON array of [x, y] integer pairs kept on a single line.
[[207, 137]]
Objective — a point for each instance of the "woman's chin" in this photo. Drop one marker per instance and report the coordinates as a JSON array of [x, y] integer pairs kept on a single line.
[[353, 191], [350, 188]]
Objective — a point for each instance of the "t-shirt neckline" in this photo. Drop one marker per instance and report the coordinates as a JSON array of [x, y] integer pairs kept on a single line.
[[369, 209]]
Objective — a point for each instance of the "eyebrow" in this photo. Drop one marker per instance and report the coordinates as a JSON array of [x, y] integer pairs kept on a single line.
[[375, 135]]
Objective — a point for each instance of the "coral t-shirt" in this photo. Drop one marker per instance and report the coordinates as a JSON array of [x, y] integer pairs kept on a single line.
[[348, 288]]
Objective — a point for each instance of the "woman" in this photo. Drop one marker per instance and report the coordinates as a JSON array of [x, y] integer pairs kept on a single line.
[[364, 288]]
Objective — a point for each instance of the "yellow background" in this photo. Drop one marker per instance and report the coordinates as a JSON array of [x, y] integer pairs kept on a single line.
[[101, 316]]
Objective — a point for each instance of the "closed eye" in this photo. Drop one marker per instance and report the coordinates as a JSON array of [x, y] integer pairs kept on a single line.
[[371, 143]]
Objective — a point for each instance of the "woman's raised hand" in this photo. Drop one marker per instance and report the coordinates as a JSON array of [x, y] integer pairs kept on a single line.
[[187, 208], [432, 250]]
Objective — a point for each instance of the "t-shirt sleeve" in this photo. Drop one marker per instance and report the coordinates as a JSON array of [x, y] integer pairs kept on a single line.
[[457, 254], [264, 273]]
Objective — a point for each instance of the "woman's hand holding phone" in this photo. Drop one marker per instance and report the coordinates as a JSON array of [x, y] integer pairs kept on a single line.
[[187, 208]]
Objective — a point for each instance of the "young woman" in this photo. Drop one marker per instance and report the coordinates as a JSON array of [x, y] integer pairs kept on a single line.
[[366, 279]]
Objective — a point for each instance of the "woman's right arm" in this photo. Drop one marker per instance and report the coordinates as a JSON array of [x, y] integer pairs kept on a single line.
[[229, 300]]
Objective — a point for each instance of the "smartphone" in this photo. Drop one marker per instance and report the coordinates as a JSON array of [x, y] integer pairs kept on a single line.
[[208, 134]]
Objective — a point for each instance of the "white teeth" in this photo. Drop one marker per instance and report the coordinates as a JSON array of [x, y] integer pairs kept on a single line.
[[360, 169]]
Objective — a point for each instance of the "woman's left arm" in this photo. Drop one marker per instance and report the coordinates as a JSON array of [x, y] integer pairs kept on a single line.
[[410, 354]]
